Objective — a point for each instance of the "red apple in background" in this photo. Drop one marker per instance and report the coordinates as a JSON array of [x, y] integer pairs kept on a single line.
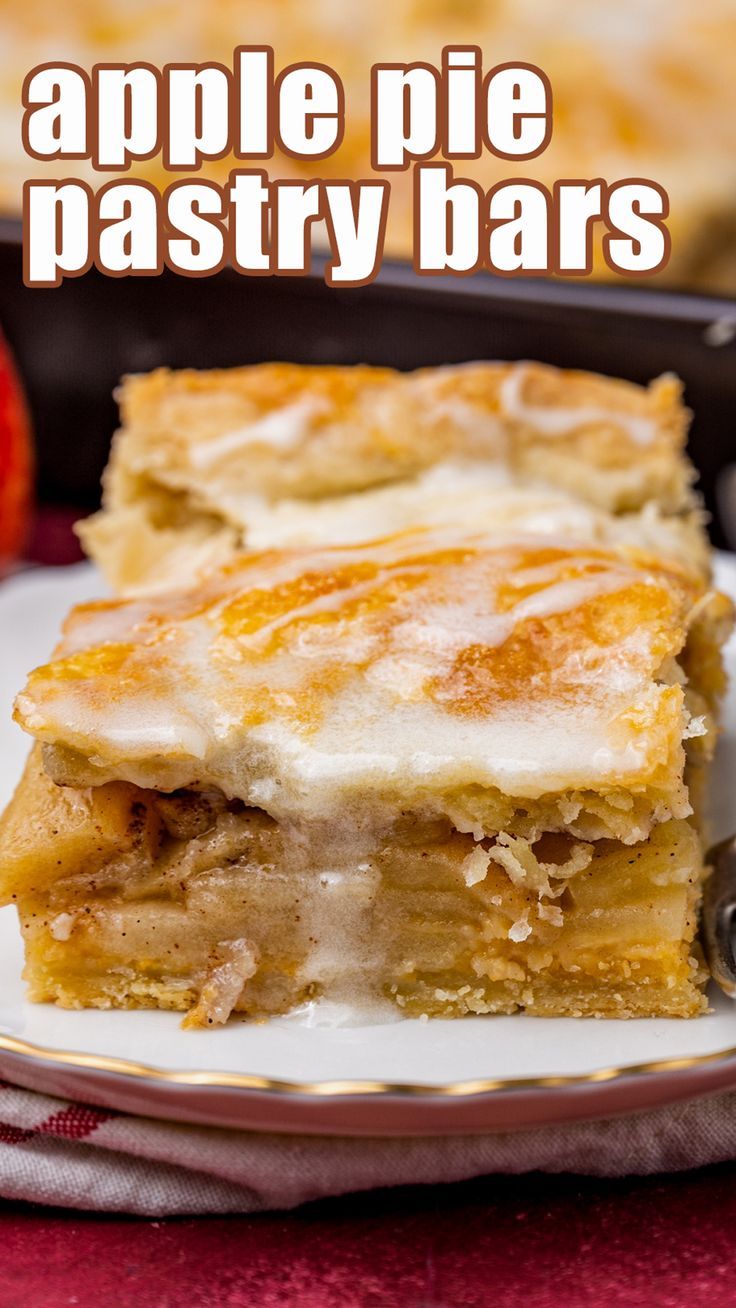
[[16, 461]]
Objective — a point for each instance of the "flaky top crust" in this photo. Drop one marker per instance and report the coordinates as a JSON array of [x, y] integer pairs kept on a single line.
[[209, 463], [281, 429], [400, 673]]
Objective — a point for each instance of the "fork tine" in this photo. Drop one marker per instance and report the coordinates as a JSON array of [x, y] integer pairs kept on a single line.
[[719, 914]]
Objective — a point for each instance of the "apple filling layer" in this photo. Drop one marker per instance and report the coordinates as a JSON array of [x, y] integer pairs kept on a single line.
[[192, 903]]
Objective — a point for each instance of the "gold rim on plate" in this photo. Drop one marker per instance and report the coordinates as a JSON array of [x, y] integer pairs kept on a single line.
[[351, 1088]]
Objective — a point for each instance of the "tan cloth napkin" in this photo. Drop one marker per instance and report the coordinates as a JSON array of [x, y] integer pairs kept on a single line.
[[56, 1152]]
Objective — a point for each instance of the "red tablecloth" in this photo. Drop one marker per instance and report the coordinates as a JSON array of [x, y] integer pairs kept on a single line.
[[546, 1242]]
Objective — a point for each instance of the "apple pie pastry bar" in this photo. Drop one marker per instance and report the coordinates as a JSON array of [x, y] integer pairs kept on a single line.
[[207, 463], [450, 770]]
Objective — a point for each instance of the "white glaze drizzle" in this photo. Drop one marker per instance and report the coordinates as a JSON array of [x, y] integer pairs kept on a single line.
[[282, 429], [377, 725], [558, 421]]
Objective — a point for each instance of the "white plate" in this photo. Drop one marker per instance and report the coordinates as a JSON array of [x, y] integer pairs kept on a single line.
[[406, 1077]]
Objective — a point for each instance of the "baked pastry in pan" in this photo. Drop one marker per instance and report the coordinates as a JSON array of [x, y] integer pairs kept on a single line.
[[447, 770], [646, 90]]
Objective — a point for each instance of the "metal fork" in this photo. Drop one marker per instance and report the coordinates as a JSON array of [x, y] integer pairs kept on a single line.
[[719, 915], [718, 921]]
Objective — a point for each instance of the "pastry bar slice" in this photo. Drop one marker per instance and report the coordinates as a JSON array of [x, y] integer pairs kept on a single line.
[[445, 771], [207, 463]]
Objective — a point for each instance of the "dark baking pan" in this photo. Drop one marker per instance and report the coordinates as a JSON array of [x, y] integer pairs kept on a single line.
[[74, 342]]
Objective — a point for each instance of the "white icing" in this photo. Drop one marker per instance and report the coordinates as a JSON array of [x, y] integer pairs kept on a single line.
[[478, 497], [342, 960], [366, 1009], [424, 646], [281, 429], [482, 431], [179, 718], [558, 421], [475, 496]]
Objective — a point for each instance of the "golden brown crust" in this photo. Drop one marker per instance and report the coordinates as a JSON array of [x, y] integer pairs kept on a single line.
[[288, 429], [201, 456], [441, 669]]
